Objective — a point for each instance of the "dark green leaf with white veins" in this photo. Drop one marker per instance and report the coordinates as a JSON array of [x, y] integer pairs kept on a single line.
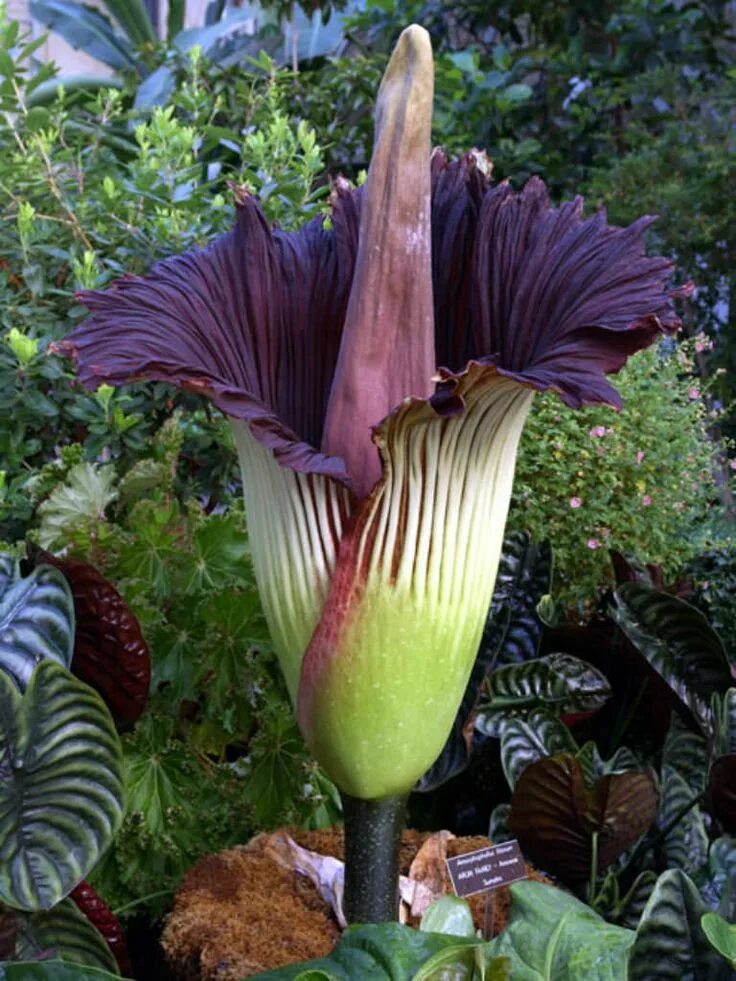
[[723, 713], [686, 844], [677, 641], [559, 682], [526, 739], [36, 619], [687, 752], [66, 933], [670, 944], [60, 786]]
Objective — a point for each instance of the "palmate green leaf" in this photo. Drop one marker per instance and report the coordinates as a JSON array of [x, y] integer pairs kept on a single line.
[[60, 786], [85, 495], [551, 936], [678, 642], [559, 682], [526, 739], [686, 845], [670, 944], [220, 554], [274, 770], [36, 619], [66, 933]]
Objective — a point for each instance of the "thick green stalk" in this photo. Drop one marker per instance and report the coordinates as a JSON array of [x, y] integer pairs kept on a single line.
[[372, 840]]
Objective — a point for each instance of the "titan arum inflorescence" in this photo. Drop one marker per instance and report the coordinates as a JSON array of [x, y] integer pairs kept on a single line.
[[377, 374]]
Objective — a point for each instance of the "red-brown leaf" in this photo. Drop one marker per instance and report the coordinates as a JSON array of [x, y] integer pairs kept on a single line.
[[102, 917]]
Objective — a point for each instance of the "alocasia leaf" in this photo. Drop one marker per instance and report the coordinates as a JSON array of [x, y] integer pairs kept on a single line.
[[670, 944], [110, 653], [551, 936], [723, 717], [528, 738], [554, 815], [687, 752], [36, 620], [66, 933], [449, 914], [60, 786], [558, 682], [677, 641], [686, 844], [722, 792], [53, 970]]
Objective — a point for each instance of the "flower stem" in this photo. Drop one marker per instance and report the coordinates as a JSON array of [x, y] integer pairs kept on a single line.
[[372, 839]]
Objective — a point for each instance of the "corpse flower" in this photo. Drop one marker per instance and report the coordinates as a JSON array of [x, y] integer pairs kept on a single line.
[[377, 371]]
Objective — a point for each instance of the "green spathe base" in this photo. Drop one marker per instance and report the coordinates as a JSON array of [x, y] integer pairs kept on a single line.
[[372, 841]]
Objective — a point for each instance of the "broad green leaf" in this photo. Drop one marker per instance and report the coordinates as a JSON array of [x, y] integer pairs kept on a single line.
[[36, 619], [67, 933], [721, 935], [558, 682], [528, 738], [678, 642], [631, 906], [449, 914], [686, 845], [551, 936], [670, 944], [133, 17], [61, 788], [84, 496], [382, 952], [718, 885]]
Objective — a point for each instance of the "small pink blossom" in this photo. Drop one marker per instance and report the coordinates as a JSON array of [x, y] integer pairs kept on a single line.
[[646, 500], [693, 392], [639, 457], [575, 502], [597, 431], [732, 464], [593, 543]]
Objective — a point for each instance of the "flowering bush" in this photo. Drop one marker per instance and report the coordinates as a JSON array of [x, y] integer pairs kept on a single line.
[[639, 480]]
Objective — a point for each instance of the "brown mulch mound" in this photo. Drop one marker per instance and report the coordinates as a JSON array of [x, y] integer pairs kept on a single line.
[[238, 912]]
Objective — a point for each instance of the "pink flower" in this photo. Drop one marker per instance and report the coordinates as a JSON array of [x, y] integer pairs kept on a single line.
[[646, 500], [693, 392], [732, 464], [575, 502], [593, 543], [639, 457], [597, 431]]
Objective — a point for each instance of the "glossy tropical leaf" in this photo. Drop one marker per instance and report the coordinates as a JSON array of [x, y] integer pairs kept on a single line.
[[687, 752], [175, 18], [551, 936], [670, 944], [498, 824], [61, 787], [66, 933], [110, 654], [381, 952], [449, 914], [721, 936], [558, 682], [631, 906], [53, 970], [686, 844], [104, 921], [722, 792], [511, 634], [36, 619], [677, 641], [554, 814], [590, 762], [718, 884], [526, 739], [513, 629], [86, 29]]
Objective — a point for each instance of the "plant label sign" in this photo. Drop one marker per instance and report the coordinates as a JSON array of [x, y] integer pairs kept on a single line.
[[487, 868]]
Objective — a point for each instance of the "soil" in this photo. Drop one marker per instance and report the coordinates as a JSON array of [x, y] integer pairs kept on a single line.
[[238, 913]]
